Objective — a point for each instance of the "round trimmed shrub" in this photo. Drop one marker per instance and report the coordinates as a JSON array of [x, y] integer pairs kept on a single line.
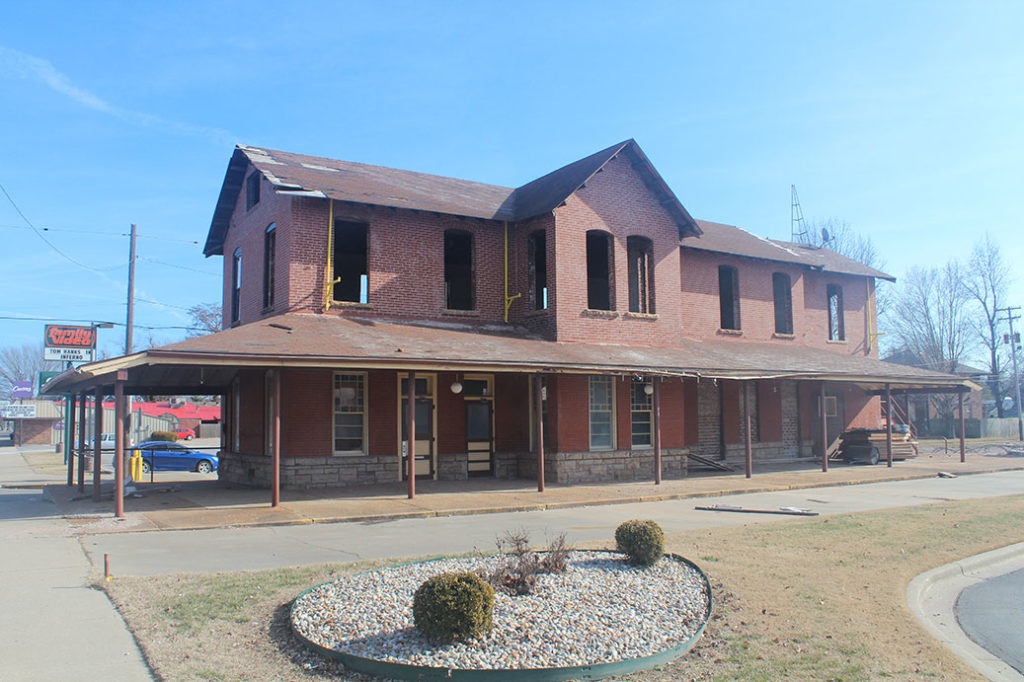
[[643, 542], [453, 607]]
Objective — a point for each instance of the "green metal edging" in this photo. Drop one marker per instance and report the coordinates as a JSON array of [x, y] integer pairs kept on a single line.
[[596, 671]]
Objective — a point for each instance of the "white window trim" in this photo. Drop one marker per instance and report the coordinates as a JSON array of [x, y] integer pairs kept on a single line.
[[614, 436], [649, 411], [364, 451]]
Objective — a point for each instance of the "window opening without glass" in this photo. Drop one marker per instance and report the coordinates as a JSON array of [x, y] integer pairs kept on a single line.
[[458, 270], [350, 262], [537, 266], [236, 284], [782, 290], [729, 296], [252, 190], [269, 247], [600, 284], [836, 331], [640, 259]]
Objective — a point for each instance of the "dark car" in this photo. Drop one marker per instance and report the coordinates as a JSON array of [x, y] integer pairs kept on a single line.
[[166, 456]]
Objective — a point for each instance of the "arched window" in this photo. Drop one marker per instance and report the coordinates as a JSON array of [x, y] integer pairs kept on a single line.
[[458, 271], [236, 284], [600, 271], [640, 266]]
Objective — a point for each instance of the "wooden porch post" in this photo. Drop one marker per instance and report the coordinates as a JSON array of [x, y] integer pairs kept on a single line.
[[963, 424], [275, 452], [410, 434], [69, 436], [97, 422], [538, 416], [81, 441], [119, 443], [824, 431], [748, 448], [656, 405], [888, 424]]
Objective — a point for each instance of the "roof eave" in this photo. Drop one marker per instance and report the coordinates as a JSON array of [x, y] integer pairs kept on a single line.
[[226, 201]]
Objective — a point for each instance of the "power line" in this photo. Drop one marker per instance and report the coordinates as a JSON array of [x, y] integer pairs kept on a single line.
[[102, 233], [179, 267]]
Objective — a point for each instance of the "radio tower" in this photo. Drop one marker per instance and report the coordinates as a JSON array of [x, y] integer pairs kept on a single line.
[[797, 227]]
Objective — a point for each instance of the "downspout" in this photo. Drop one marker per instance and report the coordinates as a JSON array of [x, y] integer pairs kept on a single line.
[[329, 283], [508, 299]]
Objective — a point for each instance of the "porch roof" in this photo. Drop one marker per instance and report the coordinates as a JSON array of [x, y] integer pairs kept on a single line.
[[207, 364]]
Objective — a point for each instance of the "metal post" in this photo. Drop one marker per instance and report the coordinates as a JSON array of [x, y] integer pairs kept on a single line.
[[275, 499], [119, 443], [97, 421], [410, 434], [81, 441], [538, 413], [824, 432], [963, 424], [656, 405], [748, 448], [69, 436], [888, 424]]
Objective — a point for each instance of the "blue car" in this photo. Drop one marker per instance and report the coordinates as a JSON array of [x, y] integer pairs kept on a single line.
[[167, 456]]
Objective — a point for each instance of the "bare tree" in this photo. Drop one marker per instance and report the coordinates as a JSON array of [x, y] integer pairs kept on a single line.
[[836, 234], [22, 363], [929, 318], [207, 318], [986, 278]]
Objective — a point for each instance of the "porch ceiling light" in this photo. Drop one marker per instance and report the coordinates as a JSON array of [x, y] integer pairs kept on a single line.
[[456, 387], [648, 389]]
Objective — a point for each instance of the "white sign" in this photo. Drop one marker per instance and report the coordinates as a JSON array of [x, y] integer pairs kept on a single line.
[[69, 354], [19, 412]]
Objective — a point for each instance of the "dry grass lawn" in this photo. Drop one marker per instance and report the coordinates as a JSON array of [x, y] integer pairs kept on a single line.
[[806, 599]]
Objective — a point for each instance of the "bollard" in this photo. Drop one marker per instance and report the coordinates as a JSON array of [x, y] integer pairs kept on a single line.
[[106, 568]]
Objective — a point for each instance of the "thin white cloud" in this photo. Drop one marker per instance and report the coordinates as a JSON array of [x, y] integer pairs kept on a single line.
[[16, 64]]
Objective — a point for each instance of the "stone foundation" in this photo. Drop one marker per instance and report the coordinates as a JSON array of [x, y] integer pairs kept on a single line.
[[454, 467], [308, 472], [612, 466], [735, 453]]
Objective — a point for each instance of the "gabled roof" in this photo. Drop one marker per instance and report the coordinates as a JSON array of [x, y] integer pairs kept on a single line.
[[721, 238], [313, 176]]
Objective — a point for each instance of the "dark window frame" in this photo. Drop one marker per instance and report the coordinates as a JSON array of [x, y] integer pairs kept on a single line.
[[836, 316], [640, 267], [459, 270], [729, 297], [252, 190], [537, 269], [269, 257], [600, 259], [236, 285], [782, 295]]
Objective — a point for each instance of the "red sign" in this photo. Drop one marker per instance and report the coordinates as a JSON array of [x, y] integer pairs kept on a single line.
[[66, 336]]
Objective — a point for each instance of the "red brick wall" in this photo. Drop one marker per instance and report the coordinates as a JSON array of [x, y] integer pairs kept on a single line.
[[862, 410], [731, 413], [451, 417], [307, 413], [673, 413], [35, 431], [512, 413], [382, 406], [701, 311], [569, 399], [690, 422], [251, 427]]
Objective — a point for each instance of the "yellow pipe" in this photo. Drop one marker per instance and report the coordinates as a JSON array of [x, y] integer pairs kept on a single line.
[[328, 282], [508, 299]]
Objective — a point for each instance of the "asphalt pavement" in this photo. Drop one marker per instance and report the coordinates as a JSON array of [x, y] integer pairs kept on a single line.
[[992, 614]]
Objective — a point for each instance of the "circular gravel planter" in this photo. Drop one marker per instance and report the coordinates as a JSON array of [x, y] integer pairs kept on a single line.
[[601, 617]]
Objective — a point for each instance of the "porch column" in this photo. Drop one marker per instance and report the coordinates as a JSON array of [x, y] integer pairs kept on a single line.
[[824, 431], [538, 417], [69, 436], [119, 434], [963, 424], [97, 422], [656, 405], [748, 448], [410, 434], [889, 425], [81, 441], [275, 452]]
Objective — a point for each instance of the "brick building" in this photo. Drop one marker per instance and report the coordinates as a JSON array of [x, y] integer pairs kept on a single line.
[[588, 300]]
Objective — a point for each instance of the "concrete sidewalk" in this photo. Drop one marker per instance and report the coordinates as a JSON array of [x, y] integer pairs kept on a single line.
[[53, 625], [178, 501]]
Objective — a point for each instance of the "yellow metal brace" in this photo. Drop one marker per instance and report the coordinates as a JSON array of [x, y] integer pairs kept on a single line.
[[329, 286], [508, 299]]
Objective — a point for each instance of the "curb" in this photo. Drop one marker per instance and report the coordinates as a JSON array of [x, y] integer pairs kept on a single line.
[[932, 598]]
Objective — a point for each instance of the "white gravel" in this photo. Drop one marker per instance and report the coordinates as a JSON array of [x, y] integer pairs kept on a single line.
[[600, 610]]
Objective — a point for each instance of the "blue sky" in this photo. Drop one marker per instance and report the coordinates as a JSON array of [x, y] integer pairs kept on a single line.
[[903, 119]]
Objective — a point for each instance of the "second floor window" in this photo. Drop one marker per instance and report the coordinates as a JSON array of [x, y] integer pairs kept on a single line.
[[782, 290], [252, 190], [537, 266], [729, 296], [640, 262], [600, 281], [836, 330], [236, 284], [352, 279], [269, 247], [458, 270]]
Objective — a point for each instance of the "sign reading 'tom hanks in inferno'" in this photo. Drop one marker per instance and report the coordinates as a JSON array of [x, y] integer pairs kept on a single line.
[[69, 343]]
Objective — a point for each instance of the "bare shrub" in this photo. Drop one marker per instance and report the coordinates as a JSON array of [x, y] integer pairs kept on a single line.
[[517, 572]]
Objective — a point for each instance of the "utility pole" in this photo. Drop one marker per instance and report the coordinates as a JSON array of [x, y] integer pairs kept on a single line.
[[130, 322], [1012, 338]]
